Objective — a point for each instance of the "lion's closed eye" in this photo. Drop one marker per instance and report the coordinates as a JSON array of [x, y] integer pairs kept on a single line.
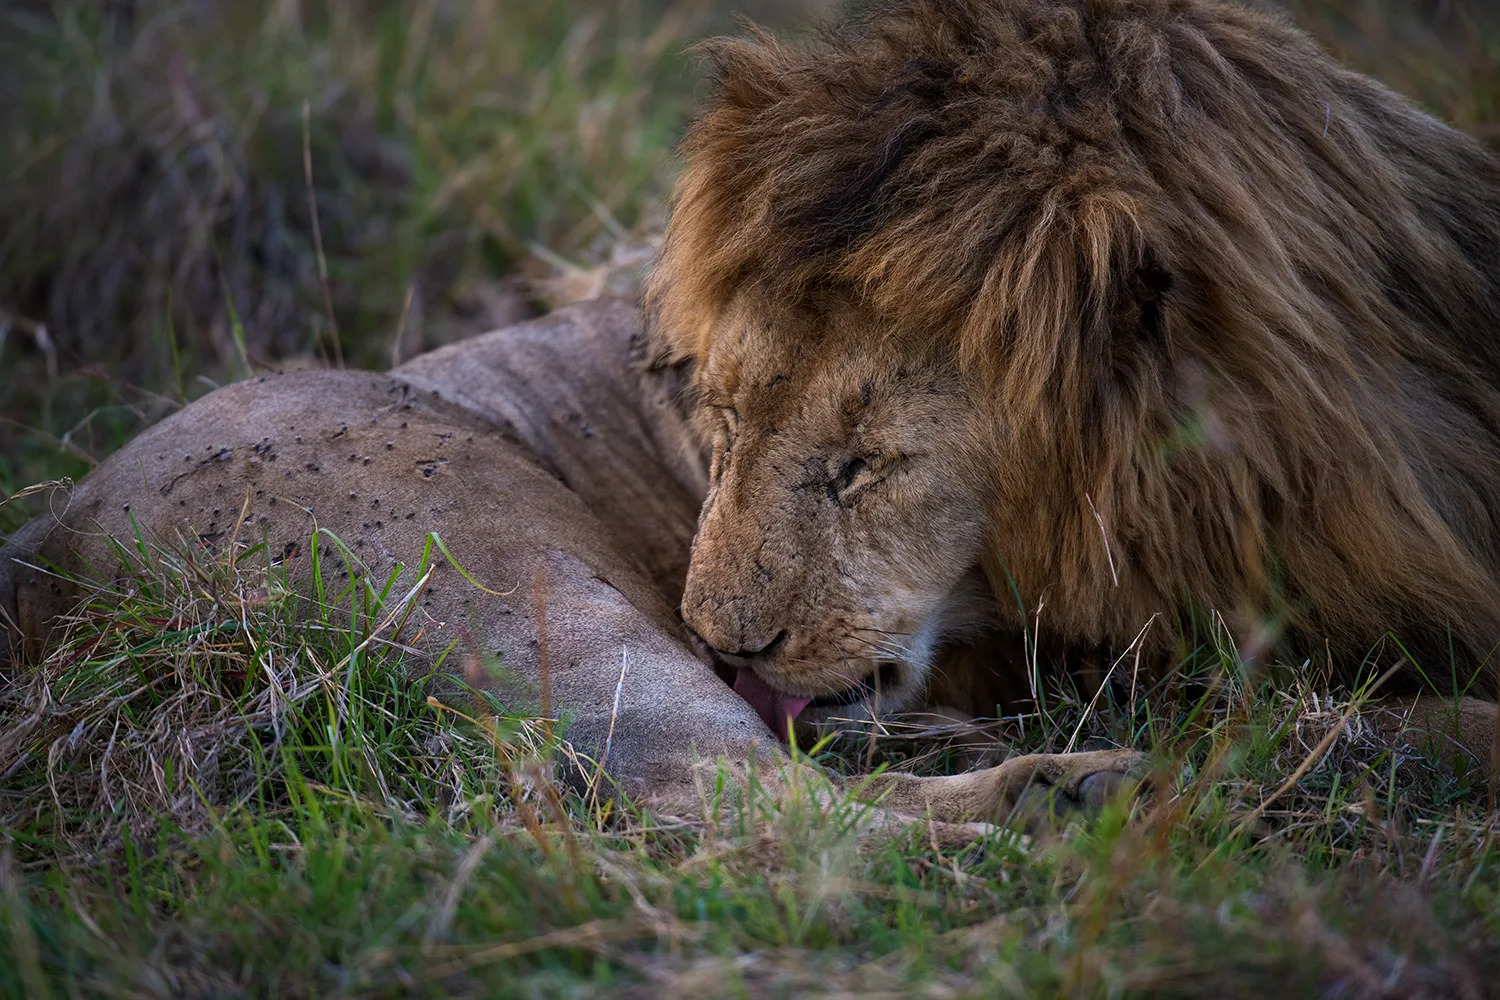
[[856, 470], [726, 427], [857, 475]]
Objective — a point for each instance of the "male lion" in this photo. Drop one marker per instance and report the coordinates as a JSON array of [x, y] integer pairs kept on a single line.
[[1099, 316], [1113, 308]]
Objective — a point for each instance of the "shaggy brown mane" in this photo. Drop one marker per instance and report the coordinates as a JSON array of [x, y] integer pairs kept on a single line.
[[1238, 299]]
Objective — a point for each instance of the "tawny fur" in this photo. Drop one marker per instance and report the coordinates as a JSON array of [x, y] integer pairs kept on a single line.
[[1234, 306]]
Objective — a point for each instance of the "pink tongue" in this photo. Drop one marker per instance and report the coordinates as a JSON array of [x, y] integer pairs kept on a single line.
[[777, 710]]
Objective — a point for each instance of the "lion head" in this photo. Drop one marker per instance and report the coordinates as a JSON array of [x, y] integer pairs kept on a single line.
[[1121, 309], [828, 446]]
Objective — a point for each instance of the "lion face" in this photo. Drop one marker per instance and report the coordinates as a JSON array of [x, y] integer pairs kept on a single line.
[[829, 444]]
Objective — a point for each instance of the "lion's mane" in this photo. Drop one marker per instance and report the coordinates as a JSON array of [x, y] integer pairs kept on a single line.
[[1236, 305]]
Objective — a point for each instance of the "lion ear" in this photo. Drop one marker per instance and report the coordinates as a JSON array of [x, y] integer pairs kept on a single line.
[[666, 364], [659, 350]]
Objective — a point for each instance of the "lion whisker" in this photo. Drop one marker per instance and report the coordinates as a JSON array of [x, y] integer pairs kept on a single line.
[[880, 650], [881, 631]]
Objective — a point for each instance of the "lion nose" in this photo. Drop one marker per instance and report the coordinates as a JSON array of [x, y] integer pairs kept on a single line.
[[742, 656]]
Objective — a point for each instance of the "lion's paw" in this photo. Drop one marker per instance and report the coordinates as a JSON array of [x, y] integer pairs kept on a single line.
[[1040, 792]]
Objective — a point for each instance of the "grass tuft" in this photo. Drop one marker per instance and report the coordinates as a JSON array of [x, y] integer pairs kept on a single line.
[[217, 782]]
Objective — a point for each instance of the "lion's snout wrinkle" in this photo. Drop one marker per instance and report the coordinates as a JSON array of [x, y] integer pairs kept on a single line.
[[731, 593], [728, 623]]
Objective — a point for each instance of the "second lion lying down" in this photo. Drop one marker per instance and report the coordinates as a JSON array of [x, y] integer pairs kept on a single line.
[[1099, 317]]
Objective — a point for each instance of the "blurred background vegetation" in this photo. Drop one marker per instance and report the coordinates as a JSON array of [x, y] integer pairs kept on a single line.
[[170, 169]]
